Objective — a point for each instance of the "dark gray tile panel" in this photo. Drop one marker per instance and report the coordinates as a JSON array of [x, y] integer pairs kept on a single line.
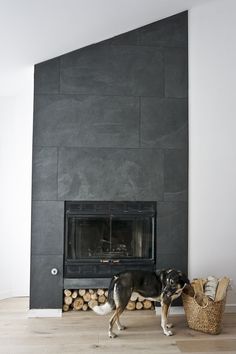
[[46, 290], [171, 31], [172, 228], [128, 38], [113, 70], [175, 175], [110, 174], [44, 179], [47, 77], [176, 260], [47, 234], [81, 120], [176, 72], [164, 122], [86, 283]]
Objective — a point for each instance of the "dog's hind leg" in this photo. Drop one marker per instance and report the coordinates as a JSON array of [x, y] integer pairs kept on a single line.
[[113, 319], [119, 325], [121, 298], [164, 314], [121, 295]]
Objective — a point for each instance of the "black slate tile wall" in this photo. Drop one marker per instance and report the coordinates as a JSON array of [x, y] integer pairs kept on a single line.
[[110, 174], [113, 70], [83, 120], [111, 123]]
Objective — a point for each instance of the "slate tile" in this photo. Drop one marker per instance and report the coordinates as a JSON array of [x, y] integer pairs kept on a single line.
[[127, 38], [173, 260], [172, 228], [46, 290], [176, 72], [73, 120], [170, 32], [47, 228], [164, 123], [47, 76], [44, 180], [113, 70], [110, 174], [175, 175]]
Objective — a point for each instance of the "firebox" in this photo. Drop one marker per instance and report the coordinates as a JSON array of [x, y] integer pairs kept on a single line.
[[103, 238]]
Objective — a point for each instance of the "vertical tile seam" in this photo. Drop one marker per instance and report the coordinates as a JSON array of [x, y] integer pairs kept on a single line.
[[163, 169], [139, 38], [164, 72], [57, 172], [140, 121], [59, 74]]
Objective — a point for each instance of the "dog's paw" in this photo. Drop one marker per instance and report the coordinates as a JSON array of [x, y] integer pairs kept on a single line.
[[112, 335], [168, 333], [122, 328]]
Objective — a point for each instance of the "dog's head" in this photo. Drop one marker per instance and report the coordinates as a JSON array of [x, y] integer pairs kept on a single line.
[[173, 283]]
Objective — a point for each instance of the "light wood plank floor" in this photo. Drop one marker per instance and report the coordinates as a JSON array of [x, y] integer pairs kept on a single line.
[[86, 332]]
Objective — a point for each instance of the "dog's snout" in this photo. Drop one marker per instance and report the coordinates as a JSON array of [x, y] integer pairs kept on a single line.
[[167, 292]]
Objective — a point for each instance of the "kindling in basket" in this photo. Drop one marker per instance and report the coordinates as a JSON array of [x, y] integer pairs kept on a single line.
[[204, 304]]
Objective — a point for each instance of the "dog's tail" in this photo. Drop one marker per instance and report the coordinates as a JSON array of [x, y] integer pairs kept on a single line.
[[103, 309], [110, 304]]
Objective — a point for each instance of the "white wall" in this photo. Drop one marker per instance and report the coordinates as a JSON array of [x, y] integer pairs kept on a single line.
[[212, 122], [16, 122]]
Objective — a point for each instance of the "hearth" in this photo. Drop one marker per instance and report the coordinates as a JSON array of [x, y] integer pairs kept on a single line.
[[103, 238]]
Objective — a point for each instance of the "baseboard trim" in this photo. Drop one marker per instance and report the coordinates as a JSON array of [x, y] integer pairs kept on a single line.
[[5, 295], [44, 313], [179, 310], [230, 308]]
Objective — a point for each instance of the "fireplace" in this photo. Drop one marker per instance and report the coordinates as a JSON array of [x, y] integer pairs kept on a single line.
[[110, 124], [103, 238]]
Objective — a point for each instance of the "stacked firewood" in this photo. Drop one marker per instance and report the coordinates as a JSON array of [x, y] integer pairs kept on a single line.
[[85, 299]]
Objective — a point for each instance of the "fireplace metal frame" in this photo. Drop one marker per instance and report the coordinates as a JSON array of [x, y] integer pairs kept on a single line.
[[105, 268]]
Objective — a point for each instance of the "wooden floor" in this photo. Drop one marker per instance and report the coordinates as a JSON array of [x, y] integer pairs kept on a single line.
[[86, 332]]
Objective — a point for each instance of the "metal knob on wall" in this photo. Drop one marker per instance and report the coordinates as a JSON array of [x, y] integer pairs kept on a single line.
[[54, 271]]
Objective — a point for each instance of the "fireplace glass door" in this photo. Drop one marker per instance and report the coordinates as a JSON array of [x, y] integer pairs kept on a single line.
[[114, 237], [104, 238]]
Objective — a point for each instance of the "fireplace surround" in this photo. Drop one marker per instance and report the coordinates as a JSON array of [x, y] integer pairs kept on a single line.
[[110, 124]]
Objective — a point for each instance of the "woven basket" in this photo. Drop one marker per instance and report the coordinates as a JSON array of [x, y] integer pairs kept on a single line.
[[207, 318]]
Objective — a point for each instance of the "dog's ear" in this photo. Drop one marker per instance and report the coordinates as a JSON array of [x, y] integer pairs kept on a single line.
[[162, 277], [183, 278]]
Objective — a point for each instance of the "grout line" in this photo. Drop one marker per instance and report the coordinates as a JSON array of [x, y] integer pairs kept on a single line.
[[59, 83], [164, 74], [140, 123], [57, 171], [61, 93], [111, 147]]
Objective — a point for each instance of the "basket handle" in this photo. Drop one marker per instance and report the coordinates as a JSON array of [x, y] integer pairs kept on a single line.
[[202, 306]]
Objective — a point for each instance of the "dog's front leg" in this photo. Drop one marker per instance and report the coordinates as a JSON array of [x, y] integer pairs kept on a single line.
[[164, 314]]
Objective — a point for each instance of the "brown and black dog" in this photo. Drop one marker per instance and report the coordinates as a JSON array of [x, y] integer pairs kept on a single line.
[[163, 286]]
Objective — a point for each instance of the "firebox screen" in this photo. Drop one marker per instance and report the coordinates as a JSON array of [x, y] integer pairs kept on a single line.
[[110, 237]]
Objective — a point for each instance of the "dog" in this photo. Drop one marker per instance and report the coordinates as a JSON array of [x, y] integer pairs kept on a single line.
[[163, 286]]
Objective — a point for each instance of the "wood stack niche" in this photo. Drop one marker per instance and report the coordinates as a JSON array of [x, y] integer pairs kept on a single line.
[[86, 299]]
